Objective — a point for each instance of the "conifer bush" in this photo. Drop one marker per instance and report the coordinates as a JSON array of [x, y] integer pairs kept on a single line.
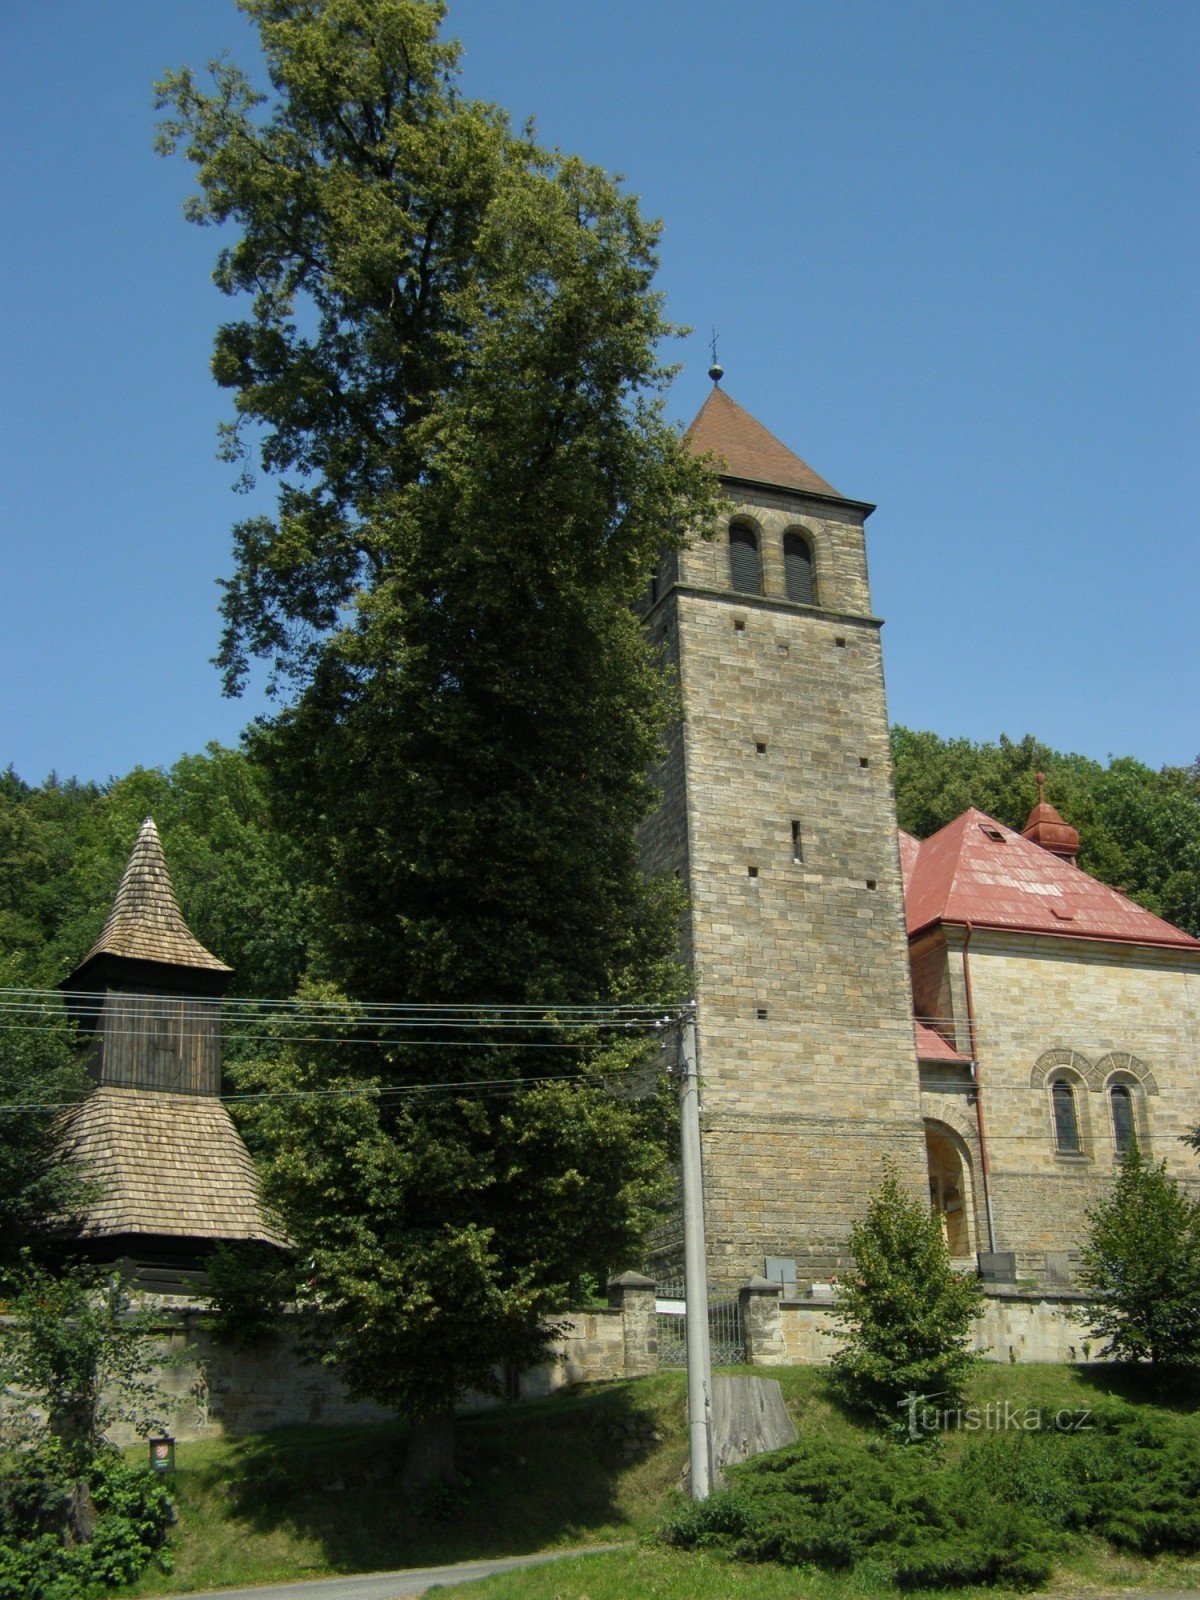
[[905, 1312], [1141, 1266]]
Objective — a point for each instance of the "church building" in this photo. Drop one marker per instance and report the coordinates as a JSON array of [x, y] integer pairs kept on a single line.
[[986, 1015]]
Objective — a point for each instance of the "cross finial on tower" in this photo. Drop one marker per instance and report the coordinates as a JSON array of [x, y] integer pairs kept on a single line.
[[716, 372]]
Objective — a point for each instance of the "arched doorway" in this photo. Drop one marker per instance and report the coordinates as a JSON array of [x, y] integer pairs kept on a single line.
[[950, 1192]]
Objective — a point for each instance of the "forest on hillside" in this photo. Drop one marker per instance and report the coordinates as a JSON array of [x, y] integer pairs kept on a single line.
[[63, 846]]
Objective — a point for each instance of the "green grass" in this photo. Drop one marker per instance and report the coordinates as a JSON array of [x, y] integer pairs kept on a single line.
[[596, 1465], [579, 1468]]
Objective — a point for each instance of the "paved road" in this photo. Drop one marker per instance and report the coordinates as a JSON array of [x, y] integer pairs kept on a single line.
[[415, 1580], [395, 1585]]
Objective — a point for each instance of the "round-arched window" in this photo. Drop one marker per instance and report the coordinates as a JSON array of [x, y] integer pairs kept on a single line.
[[1066, 1120], [798, 569], [745, 563], [1120, 1102]]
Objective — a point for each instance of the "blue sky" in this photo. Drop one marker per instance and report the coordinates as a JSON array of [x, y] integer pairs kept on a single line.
[[950, 251]]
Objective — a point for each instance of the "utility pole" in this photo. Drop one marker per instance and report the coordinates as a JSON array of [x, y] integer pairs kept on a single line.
[[695, 1271]]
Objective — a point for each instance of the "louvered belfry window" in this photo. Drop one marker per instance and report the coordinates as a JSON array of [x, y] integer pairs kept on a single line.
[[798, 569], [1121, 1101], [745, 565], [1066, 1123]]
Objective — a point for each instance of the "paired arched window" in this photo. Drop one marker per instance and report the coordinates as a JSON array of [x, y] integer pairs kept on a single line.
[[745, 560], [1120, 1104], [798, 569], [1066, 1118]]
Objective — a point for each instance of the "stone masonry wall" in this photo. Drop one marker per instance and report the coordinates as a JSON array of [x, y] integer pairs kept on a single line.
[[1085, 1008], [805, 1042], [1016, 1326]]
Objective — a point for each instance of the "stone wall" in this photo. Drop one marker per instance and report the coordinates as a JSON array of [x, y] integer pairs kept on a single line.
[[214, 1390], [1096, 1014], [218, 1391], [778, 809], [1017, 1325]]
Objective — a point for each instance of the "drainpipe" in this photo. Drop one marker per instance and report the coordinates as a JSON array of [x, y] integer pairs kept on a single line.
[[984, 1168]]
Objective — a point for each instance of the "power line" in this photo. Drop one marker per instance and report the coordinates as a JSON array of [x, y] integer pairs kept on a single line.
[[352, 1091]]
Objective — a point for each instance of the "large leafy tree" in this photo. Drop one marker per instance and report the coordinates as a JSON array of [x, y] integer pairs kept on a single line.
[[449, 363]]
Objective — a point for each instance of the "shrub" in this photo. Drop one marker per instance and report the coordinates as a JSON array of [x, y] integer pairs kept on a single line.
[[38, 1558], [841, 1505], [906, 1313], [1141, 1263], [995, 1516]]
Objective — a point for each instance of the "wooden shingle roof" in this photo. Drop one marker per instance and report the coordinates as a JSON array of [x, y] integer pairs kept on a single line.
[[166, 1164], [145, 923]]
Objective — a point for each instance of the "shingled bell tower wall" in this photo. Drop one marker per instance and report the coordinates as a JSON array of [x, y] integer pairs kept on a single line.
[[778, 813]]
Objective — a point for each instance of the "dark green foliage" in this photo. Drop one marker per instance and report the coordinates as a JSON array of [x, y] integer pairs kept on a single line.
[[1133, 1480], [1139, 830], [436, 1233], [995, 1514], [448, 359], [846, 1505], [905, 1312], [63, 848], [74, 1359], [38, 1070], [40, 1559], [1141, 1267]]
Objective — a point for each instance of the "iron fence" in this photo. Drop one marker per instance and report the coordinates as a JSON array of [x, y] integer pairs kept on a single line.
[[726, 1341]]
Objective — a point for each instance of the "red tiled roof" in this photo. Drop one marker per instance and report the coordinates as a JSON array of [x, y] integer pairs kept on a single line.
[[976, 870], [909, 850], [744, 448], [932, 1047]]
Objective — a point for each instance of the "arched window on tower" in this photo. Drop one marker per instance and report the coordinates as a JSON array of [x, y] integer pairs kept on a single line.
[[1120, 1102], [1066, 1120], [798, 569], [745, 563]]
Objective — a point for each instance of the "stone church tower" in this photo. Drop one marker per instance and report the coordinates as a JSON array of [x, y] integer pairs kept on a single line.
[[778, 813]]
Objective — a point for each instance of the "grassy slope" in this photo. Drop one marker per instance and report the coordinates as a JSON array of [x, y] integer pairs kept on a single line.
[[579, 1468]]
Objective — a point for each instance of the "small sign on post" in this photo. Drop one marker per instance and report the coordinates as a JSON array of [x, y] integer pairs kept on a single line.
[[162, 1454]]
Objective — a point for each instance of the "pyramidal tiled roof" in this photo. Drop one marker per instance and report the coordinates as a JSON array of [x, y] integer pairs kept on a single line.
[[976, 870], [165, 1163], [745, 449], [145, 923]]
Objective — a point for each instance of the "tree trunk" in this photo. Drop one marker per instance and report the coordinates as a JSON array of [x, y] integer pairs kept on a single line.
[[79, 1514], [429, 1458]]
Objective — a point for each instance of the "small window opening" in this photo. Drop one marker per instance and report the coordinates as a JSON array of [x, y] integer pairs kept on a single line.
[[738, 625], [841, 643], [797, 843], [864, 761], [992, 832], [762, 1013], [760, 746], [872, 883], [1066, 1122], [745, 564], [784, 650], [798, 569], [1121, 1103], [752, 872]]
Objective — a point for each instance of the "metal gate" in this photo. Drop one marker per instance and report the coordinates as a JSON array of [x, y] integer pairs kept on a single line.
[[725, 1339]]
